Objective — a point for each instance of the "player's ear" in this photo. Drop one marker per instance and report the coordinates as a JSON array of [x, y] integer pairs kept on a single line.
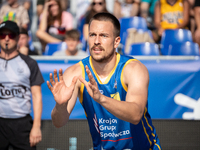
[[117, 41]]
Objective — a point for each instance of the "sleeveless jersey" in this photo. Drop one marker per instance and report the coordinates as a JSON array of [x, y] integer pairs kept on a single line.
[[171, 15], [107, 131], [17, 75]]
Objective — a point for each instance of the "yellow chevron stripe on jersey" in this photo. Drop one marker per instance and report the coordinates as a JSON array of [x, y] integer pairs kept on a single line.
[[111, 73], [116, 96]]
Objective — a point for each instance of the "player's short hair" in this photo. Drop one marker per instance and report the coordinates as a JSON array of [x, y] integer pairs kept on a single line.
[[107, 17]]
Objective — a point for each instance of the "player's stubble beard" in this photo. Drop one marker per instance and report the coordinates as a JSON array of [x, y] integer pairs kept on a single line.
[[103, 58]]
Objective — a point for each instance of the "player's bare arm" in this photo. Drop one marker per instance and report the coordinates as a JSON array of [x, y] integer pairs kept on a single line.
[[136, 78], [64, 88]]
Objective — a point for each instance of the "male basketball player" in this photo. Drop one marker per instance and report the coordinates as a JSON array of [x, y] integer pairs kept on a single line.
[[112, 88]]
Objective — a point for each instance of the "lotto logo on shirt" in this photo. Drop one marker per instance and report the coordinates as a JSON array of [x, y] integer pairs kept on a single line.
[[10, 90]]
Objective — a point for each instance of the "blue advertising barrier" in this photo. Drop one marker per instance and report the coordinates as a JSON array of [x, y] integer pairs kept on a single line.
[[174, 87]]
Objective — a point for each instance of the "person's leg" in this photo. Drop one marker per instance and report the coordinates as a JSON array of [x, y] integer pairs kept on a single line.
[[21, 131], [4, 143]]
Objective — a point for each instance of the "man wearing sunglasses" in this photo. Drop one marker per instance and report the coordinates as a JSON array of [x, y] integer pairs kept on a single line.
[[19, 78]]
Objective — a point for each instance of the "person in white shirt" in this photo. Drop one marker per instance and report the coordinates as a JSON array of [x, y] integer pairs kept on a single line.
[[72, 39]]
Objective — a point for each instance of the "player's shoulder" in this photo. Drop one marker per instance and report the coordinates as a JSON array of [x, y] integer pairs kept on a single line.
[[134, 65], [135, 71], [74, 70], [71, 72]]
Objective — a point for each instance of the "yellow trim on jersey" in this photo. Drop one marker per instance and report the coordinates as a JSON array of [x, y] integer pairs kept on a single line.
[[145, 131], [122, 75], [151, 130], [158, 146], [111, 73], [82, 85], [147, 120]]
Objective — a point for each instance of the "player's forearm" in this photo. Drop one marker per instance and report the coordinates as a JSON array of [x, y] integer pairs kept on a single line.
[[60, 115], [37, 109], [127, 111]]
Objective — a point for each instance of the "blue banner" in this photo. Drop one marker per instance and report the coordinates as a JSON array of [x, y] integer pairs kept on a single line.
[[174, 88]]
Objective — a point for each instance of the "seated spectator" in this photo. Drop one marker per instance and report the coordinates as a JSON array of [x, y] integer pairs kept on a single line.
[[147, 11], [54, 21], [40, 5], [82, 6], [23, 43], [96, 7], [197, 20], [127, 8], [171, 14], [72, 39], [25, 3], [15, 12]]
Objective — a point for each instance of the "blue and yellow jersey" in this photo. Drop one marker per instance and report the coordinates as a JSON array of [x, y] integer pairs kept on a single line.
[[107, 131], [171, 15]]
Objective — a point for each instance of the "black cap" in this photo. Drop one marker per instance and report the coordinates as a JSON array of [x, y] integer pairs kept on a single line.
[[10, 25]]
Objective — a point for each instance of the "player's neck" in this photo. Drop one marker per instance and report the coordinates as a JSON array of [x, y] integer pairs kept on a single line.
[[103, 69]]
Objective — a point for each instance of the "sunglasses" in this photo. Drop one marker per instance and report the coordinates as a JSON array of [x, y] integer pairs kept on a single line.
[[100, 3], [10, 35]]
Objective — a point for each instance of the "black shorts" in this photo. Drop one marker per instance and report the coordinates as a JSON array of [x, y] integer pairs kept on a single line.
[[15, 133]]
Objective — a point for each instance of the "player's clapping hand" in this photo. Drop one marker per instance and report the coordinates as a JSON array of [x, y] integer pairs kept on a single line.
[[91, 86], [60, 91]]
